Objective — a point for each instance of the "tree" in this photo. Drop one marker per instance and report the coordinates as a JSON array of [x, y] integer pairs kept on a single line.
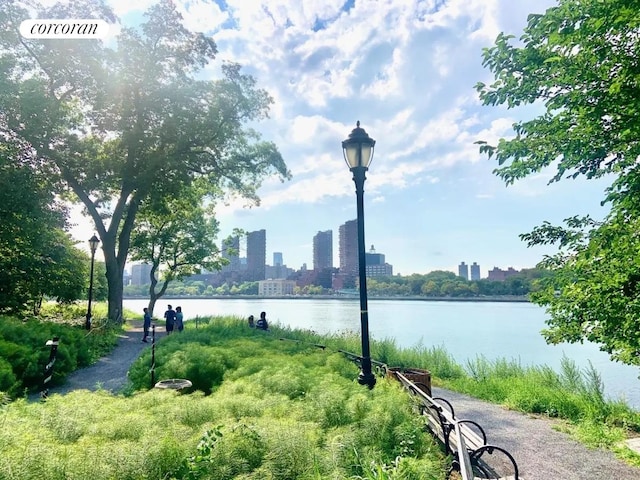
[[176, 236], [113, 126], [579, 61], [37, 258]]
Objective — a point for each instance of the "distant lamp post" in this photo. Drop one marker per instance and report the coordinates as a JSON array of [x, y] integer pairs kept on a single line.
[[93, 245], [358, 153]]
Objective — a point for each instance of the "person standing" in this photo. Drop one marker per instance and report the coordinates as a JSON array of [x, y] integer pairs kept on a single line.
[[146, 324], [170, 317], [251, 322], [179, 319], [262, 322]]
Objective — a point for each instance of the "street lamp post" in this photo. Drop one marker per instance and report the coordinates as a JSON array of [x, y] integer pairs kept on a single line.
[[358, 153], [93, 245]]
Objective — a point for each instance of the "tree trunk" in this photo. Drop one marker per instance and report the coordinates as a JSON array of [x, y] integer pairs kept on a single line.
[[153, 295], [115, 284], [114, 272]]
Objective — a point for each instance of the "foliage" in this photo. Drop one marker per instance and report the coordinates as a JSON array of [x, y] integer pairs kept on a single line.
[[578, 62], [24, 354], [593, 294], [116, 127], [37, 258], [100, 286], [282, 410], [175, 234], [447, 284], [572, 394], [187, 288]]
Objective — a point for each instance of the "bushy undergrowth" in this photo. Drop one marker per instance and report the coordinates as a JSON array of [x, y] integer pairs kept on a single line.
[[281, 405], [23, 351], [263, 409], [73, 313]]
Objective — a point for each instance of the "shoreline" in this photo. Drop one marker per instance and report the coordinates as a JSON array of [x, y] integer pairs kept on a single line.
[[503, 299]]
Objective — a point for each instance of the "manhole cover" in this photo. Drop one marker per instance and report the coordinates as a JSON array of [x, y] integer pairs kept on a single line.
[[174, 384]]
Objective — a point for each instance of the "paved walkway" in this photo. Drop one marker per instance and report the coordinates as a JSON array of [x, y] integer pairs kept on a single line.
[[541, 452], [110, 372]]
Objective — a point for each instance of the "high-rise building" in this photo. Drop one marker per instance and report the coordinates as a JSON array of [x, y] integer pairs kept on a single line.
[[323, 250], [475, 271], [463, 271], [373, 258], [277, 259], [348, 242], [497, 274], [140, 274], [256, 255], [231, 252], [375, 265]]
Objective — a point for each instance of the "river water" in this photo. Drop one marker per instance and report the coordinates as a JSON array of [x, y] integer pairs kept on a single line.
[[465, 329]]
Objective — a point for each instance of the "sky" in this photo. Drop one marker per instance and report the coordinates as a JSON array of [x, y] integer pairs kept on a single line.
[[406, 69]]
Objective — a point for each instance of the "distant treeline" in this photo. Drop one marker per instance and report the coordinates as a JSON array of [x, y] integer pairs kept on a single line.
[[447, 284], [434, 284]]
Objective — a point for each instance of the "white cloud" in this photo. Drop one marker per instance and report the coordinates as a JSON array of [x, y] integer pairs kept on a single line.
[[405, 68], [202, 15], [122, 7]]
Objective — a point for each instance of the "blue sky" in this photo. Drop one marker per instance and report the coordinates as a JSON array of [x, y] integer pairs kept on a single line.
[[405, 69]]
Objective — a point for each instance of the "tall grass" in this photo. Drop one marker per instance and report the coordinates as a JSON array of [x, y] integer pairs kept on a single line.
[[264, 409], [572, 394], [281, 405]]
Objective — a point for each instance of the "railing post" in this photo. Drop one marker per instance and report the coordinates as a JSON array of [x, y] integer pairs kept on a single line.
[[48, 368], [153, 355]]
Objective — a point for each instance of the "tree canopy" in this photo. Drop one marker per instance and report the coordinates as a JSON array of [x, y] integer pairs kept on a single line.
[[579, 62], [37, 257], [117, 125], [176, 235]]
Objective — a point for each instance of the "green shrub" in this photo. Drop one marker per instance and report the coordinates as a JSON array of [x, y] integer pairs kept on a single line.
[[23, 346], [7, 377]]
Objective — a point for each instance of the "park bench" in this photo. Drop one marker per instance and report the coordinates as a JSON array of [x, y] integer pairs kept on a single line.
[[464, 439]]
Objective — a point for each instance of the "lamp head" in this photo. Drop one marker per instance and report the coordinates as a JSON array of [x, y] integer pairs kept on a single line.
[[93, 243], [358, 148]]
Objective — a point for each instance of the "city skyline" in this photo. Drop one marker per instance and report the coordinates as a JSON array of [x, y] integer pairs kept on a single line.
[[255, 247], [322, 246], [407, 72]]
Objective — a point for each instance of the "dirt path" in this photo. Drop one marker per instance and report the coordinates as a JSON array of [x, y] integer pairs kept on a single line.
[[541, 452]]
